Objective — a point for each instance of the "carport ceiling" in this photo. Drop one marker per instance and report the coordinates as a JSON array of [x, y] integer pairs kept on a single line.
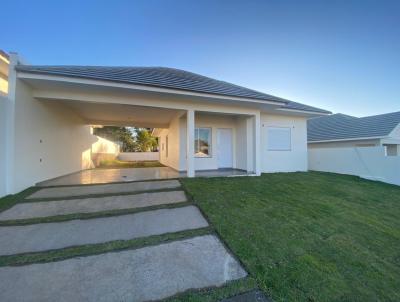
[[121, 114]]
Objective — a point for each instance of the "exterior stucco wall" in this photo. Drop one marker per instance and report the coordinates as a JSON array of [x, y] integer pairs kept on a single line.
[[50, 140], [241, 142], [284, 161], [3, 133], [172, 159]]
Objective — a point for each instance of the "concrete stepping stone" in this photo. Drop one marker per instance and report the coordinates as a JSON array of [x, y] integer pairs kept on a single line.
[[48, 236], [149, 273], [90, 205], [105, 189]]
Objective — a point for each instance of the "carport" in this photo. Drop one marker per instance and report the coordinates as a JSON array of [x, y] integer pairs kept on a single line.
[[51, 117]]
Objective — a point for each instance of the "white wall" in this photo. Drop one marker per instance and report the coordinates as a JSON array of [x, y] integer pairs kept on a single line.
[[173, 132], [241, 142], [102, 145], [3, 134], [366, 162], [139, 156], [50, 140], [284, 161]]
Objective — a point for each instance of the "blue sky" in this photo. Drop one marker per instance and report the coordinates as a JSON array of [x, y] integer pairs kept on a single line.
[[342, 56]]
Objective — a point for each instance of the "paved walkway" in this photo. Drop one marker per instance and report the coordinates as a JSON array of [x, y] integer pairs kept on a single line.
[[105, 189], [149, 273], [90, 205], [48, 236]]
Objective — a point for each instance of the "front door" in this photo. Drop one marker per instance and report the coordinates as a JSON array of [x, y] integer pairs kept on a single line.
[[224, 148]]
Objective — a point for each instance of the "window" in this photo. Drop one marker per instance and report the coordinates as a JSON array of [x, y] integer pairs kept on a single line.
[[279, 138], [202, 142]]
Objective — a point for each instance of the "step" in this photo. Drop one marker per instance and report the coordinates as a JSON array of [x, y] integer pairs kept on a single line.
[[149, 273], [27, 210], [57, 235], [58, 192]]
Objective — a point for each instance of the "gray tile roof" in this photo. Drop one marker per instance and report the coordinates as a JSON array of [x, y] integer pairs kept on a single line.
[[340, 126], [165, 78]]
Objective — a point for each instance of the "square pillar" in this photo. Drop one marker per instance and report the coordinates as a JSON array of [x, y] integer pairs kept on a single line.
[[190, 143], [250, 145], [257, 144]]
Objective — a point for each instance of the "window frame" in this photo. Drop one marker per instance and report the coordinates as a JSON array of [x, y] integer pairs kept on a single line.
[[196, 130]]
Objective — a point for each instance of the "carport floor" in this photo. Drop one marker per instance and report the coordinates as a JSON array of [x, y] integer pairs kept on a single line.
[[102, 176], [29, 210], [149, 273]]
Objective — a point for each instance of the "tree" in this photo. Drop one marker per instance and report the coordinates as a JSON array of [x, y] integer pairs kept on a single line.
[[145, 141], [120, 135], [130, 139]]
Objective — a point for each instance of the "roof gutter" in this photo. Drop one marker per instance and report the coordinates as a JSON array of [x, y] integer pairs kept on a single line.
[[347, 139], [305, 111]]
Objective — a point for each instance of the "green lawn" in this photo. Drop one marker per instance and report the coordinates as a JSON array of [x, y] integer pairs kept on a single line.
[[129, 164], [309, 236]]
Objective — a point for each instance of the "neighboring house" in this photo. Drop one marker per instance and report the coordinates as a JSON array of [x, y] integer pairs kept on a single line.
[[340, 130], [368, 146], [202, 123]]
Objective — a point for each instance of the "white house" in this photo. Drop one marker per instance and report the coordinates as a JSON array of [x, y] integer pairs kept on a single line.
[[202, 123]]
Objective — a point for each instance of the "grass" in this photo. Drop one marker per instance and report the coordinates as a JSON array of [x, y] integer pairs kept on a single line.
[[309, 236], [8, 201], [129, 164]]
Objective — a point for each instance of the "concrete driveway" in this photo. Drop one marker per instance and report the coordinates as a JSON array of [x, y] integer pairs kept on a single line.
[[118, 213]]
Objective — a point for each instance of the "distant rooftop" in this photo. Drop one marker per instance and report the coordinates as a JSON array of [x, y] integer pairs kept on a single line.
[[165, 78], [344, 127]]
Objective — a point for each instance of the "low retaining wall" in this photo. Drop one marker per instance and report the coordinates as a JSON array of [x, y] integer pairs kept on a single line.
[[139, 156], [366, 162], [103, 149]]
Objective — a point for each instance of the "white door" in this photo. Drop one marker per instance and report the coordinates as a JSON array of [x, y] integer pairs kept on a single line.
[[224, 148]]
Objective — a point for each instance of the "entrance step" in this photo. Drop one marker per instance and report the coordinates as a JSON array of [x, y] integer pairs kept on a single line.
[[58, 192], [90, 205], [149, 273], [48, 236]]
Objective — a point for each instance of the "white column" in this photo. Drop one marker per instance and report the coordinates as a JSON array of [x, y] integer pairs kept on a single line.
[[250, 144], [257, 144], [190, 143]]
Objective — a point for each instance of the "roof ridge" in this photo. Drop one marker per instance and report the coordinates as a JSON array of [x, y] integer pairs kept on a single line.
[[383, 114]]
